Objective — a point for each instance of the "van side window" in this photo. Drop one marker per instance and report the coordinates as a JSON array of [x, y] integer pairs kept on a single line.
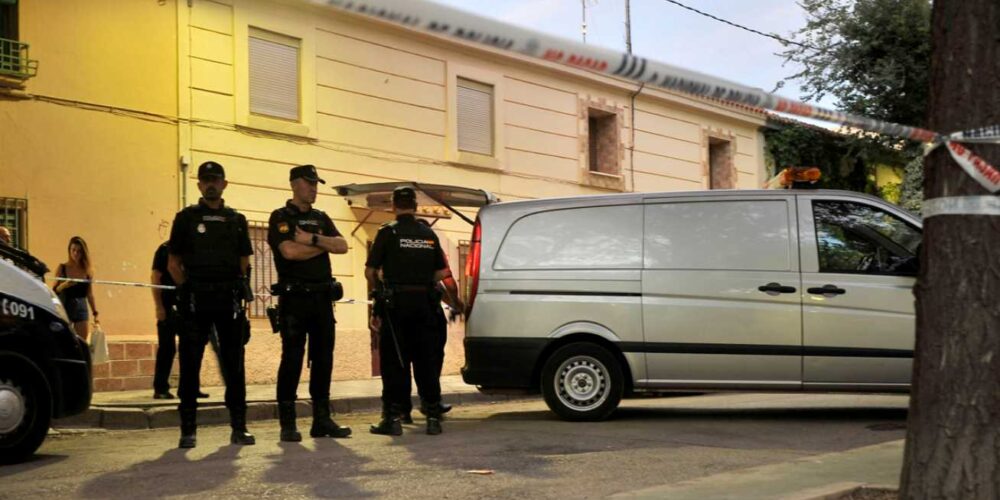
[[857, 238], [729, 235], [578, 238]]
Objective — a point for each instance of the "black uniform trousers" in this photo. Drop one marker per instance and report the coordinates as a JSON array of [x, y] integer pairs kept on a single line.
[[411, 318], [441, 329], [166, 333], [306, 316], [212, 310]]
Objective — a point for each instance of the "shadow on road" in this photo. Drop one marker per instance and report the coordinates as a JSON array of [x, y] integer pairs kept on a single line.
[[327, 471], [196, 476], [463, 447], [32, 463]]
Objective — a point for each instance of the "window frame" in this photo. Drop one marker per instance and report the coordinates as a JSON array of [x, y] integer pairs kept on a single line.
[[880, 241], [19, 206], [809, 247], [458, 71], [289, 22], [278, 39]]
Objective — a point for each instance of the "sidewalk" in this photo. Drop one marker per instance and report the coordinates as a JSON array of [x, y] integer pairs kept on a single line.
[[138, 409], [817, 477]]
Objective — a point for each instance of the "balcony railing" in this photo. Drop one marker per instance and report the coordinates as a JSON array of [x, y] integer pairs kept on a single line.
[[14, 60]]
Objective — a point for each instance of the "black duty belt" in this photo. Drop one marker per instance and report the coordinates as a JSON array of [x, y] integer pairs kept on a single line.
[[410, 288], [301, 287], [214, 286]]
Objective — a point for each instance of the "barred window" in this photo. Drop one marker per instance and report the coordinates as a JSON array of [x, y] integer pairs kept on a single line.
[[14, 216], [263, 274]]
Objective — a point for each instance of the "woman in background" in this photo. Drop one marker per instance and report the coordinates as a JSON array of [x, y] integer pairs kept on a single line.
[[76, 296]]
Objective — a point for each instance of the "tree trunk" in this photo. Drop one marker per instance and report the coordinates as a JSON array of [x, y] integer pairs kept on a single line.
[[953, 437]]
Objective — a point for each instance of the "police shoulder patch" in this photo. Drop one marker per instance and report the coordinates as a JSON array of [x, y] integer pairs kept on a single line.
[[283, 228]]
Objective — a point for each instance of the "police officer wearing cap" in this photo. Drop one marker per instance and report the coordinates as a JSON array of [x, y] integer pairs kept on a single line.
[[411, 261], [209, 260], [302, 239]]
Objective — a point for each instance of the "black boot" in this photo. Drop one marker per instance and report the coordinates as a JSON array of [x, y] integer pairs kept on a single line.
[[240, 434], [433, 426], [286, 417], [189, 428], [390, 424], [323, 425], [407, 418], [433, 412]]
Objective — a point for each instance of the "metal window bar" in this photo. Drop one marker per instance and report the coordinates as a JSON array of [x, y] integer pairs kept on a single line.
[[264, 273], [13, 216], [15, 61]]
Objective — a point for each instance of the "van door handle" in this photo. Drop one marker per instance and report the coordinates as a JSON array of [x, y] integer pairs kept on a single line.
[[776, 288], [827, 290]]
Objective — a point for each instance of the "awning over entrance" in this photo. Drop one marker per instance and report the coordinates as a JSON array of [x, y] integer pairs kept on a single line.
[[434, 200]]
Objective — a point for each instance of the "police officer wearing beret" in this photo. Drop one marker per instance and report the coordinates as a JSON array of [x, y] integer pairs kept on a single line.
[[302, 239], [411, 261], [209, 260]]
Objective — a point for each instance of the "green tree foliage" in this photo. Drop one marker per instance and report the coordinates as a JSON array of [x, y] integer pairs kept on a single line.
[[873, 57]]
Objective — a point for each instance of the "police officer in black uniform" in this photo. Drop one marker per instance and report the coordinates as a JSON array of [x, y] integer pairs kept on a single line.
[[410, 258], [209, 260], [302, 239]]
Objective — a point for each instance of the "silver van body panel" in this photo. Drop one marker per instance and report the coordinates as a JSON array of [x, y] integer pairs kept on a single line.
[[708, 329]]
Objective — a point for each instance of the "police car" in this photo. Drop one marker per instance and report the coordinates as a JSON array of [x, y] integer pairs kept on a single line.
[[44, 366]]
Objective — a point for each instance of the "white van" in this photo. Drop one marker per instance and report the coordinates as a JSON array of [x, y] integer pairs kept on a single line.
[[590, 299]]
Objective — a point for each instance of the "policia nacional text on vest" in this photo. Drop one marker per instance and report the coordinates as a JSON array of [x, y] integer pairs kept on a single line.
[[301, 239], [410, 258], [209, 259]]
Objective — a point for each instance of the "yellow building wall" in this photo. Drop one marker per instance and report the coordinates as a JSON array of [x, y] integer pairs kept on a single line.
[[109, 178], [377, 105]]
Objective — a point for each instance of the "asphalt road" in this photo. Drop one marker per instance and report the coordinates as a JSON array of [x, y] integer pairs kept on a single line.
[[510, 450]]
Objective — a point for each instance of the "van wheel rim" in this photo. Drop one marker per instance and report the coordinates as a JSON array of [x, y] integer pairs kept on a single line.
[[582, 383], [12, 407]]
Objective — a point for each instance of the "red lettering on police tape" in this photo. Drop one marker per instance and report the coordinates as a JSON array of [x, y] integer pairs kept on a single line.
[[982, 166]]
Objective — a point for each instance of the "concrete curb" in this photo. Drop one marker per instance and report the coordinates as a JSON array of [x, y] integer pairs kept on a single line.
[[838, 491], [159, 415]]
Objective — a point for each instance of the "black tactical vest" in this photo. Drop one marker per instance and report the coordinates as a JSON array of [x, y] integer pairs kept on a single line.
[[213, 243]]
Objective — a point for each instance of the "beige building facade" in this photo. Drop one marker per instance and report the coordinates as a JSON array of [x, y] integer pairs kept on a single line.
[[264, 85]]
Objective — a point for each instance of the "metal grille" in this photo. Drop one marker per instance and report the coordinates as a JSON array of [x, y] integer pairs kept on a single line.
[[263, 274], [14, 60], [14, 216]]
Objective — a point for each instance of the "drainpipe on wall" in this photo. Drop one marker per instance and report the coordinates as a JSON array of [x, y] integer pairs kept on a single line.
[[184, 184], [631, 142]]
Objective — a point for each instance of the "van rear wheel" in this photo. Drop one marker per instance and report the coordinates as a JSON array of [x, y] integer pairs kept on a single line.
[[582, 382]]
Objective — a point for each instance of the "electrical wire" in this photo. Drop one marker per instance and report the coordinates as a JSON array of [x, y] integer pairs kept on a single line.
[[784, 41]]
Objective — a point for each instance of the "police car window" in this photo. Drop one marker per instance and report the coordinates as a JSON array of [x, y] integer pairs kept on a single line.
[[858, 238], [580, 238]]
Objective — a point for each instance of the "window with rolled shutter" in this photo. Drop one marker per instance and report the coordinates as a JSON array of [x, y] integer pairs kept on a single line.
[[274, 75], [475, 117]]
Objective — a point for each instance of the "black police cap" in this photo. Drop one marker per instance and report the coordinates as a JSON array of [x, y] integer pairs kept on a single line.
[[211, 170], [404, 193], [307, 172]]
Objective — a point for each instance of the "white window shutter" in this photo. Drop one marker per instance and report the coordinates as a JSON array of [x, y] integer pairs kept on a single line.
[[475, 117], [274, 75]]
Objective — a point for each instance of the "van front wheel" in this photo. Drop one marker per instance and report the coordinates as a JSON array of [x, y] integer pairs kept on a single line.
[[582, 381]]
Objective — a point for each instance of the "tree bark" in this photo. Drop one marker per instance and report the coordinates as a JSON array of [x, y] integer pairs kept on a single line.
[[953, 437]]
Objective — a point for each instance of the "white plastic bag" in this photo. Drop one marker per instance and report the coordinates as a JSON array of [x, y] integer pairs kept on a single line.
[[98, 345]]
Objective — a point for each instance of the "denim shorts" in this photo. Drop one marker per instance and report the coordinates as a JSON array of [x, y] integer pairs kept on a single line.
[[77, 309]]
